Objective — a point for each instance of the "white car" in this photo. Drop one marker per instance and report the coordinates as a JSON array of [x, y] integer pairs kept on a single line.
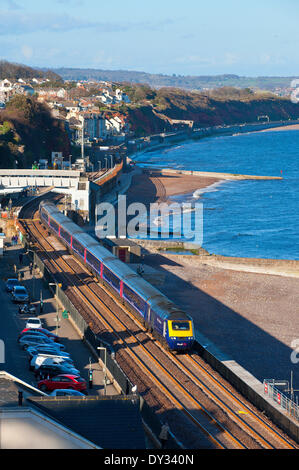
[[33, 323], [47, 359]]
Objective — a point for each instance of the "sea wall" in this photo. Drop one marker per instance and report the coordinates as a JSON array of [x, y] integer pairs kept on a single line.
[[247, 385]]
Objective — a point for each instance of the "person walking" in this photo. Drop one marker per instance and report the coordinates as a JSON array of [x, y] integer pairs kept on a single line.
[[163, 436], [31, 268], [41, 306]]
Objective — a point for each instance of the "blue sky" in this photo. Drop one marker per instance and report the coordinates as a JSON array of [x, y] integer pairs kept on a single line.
[[193, 37]]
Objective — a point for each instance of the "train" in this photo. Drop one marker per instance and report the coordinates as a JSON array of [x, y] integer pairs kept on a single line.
[[168, 323]]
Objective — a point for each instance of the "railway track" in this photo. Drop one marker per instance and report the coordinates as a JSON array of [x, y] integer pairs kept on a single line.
[[179, 386]]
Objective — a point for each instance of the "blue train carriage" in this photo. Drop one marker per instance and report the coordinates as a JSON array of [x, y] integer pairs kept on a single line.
[[172, 324], [137, 293]]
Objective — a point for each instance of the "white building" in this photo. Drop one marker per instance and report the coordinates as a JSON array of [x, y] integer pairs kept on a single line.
[[6, 90]]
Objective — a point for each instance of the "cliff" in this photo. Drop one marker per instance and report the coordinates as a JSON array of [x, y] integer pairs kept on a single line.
[[169, 108]]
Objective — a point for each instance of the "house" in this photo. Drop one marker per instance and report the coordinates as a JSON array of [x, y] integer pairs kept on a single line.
[[6, 90], [72, 106], [105, 97], [24, 90], [62, 93], [94, 125], [121, 96]]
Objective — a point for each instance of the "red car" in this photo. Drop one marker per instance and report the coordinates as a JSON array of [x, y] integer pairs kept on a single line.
[[47, 333], [63, 381]]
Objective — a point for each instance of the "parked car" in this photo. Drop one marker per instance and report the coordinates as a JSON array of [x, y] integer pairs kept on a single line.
[[11, 283], [27, 309], [33, 323], [63, 381], [33, 340], [20, 294], [66, 392], [45, 359], [46, 349], [34, 332], [50, 370], [44, 331]]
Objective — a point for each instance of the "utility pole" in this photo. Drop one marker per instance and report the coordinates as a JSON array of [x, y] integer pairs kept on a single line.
[[82, 139]]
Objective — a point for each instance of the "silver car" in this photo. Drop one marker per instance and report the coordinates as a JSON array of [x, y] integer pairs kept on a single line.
[[45, 359]]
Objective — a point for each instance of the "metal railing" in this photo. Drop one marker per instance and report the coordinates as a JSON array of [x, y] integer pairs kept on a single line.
[[287, 404]]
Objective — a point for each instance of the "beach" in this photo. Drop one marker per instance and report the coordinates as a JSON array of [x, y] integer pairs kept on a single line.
[[292, 127], [152, 186]]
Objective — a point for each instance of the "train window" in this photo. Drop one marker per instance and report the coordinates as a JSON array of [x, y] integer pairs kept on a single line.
[[111, 278], [134, 299], [180, 325], [78, 248], [54, 225], [65, 236], [44, 215], [93, 262]]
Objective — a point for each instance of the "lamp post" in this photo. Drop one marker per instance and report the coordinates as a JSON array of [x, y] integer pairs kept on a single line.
[[57, 308], [105, 368], [33, 274], [82, 138]]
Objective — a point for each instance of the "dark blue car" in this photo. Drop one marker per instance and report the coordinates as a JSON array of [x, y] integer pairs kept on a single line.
[[11, 283]]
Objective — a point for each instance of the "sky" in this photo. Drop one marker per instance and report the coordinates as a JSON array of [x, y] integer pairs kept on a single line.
[[191, 37]]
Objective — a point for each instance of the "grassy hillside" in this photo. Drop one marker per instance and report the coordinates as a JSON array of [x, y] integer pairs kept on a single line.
[[28, 132], [13, 71]]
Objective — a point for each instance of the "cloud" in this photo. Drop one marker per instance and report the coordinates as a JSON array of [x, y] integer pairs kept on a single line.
[[18, 23], [195, 59], [12, 5], [230, 59], [70, 2], [27, 51]]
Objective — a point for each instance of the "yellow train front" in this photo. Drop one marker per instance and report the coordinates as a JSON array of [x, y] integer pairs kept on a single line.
[[180, 333]]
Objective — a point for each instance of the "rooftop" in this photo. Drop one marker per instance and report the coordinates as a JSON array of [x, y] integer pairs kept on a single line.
[[109, 422]]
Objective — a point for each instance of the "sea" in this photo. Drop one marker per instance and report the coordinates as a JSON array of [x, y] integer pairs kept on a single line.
[[249, 218]]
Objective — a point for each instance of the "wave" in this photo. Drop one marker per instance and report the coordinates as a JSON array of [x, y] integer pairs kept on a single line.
[[208, 189]]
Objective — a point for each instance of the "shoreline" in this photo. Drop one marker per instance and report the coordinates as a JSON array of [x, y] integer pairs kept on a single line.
[[152, 186], [291, 127]]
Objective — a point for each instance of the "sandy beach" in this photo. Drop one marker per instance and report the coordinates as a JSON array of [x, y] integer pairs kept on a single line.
[[293, 127], [150, 187]]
